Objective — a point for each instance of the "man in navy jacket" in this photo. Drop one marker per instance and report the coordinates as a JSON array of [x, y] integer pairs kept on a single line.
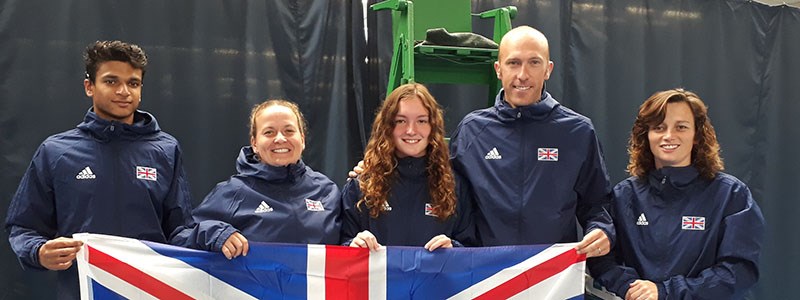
[[535, 165], [116, 173]]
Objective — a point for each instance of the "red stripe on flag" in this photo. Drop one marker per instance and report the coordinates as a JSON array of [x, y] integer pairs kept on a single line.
[[346, 273], [133, 276], [534, 275]]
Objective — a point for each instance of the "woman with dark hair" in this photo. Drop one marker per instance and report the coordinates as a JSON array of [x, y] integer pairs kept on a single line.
[[275, 197], [685, 229], [407, 194]]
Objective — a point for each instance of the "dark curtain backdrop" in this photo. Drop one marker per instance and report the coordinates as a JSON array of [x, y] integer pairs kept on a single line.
[[211, 61]]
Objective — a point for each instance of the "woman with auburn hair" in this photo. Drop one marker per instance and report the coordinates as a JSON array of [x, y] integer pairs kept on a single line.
[[275, 197], [407, 194], [685, 229]]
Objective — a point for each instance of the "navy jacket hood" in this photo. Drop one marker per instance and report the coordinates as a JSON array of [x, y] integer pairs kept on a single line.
[[537, 111], [143, 124], [248, 164]]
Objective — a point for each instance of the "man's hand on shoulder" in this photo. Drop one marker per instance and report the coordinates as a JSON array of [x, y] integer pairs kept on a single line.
[[357, 170]]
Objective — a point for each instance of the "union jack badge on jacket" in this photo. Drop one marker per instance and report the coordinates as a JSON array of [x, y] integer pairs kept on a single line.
[[548, 154], [314, 205], [146, 173], [693, 223]]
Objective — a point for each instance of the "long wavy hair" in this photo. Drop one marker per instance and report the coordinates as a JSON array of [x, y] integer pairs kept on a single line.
[[705, 151], [380, 160]]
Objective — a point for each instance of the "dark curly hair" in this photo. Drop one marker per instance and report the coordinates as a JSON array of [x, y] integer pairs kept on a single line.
[[103, 51], [705, 151], [380, 160]]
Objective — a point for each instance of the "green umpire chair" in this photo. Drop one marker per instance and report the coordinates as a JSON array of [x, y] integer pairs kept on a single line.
[[457, 62]]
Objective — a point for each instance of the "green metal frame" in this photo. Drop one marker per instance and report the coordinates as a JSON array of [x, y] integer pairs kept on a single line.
[[442, 64]]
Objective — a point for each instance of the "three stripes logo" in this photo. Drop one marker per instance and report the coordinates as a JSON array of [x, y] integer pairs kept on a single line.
[[86, 173], [263, 208], [493, 154], [642, 221]]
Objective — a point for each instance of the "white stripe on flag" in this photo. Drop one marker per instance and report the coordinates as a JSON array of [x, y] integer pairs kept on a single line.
[[315, 272], [115, 284], [377, 274], [508, 273], [173, 272], [560, 286], [83, 273]]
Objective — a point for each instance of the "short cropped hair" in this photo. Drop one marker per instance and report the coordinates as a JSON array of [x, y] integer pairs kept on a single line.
[[102, 51]]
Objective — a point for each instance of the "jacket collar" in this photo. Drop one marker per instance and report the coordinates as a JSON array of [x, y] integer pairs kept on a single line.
[[537, 111], [412, 167], [104, 130], [673, 180], [248, 164]]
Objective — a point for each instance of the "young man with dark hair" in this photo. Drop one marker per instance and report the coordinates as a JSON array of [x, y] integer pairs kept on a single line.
[[117, 173]]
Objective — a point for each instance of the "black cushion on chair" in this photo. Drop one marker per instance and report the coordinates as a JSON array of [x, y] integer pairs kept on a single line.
[[440, 37]]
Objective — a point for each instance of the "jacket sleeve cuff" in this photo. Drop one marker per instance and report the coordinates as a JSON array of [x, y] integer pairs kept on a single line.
[[223, 237], [456, 243], [605, 230], [662, 291], [34, 256]]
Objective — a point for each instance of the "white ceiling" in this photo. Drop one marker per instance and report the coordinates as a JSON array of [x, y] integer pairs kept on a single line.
[[793, 3]]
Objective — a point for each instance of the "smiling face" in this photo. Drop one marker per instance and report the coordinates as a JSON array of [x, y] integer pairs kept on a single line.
[[278, 139], [116, 91], [671, 141], [411, 128], [523, 65]]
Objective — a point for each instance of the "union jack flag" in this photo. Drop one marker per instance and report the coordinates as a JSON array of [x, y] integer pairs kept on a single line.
[[548, 154], [693, 223], [146, 173], [114, 267], [314, 205], [429, 210]]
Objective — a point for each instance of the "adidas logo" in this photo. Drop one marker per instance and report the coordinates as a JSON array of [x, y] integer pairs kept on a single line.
[[263, 208], [86, 173], [642, 221], [493, 154]]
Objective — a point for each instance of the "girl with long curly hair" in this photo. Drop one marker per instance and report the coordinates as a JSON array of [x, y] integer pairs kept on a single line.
[[685, 229], [407, 194]]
